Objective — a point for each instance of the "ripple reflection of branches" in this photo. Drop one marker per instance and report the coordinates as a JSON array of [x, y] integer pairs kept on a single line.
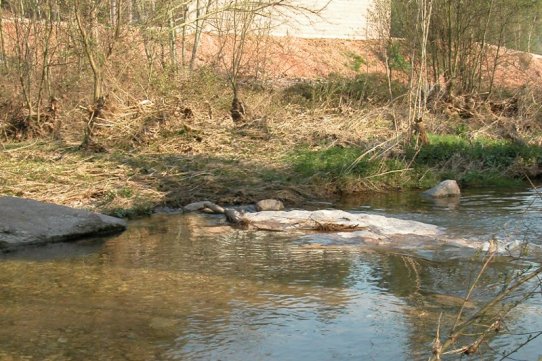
[[469, 331]]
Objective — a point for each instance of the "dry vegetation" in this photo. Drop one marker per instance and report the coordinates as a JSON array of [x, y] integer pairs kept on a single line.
[[178, 149], [175, 152], [148, 125]]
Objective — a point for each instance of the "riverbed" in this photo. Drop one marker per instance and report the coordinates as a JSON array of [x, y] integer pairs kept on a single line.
[[190, 287]]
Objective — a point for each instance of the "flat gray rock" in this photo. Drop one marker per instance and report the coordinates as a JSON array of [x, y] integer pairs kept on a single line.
[[336, 220], [337, 228], [29, 222]]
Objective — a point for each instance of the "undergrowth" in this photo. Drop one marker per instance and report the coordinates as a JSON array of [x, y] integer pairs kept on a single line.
[[169, 140], [336, 90]]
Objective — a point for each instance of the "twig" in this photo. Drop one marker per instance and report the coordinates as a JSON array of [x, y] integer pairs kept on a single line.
[[491, 255], [459, 328], [520, 346], [437, 345], [388, 172]]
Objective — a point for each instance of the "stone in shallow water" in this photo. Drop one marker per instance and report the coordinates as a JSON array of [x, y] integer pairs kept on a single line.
[[29, 222], [340, 228], [269, 205], [447, 188]]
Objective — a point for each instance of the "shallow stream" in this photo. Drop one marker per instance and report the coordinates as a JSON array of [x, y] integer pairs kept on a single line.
[[189, 287]]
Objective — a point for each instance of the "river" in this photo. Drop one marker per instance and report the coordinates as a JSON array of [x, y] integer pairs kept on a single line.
[[189, 287]]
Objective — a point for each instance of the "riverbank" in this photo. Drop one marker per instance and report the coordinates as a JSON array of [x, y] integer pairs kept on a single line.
[[166, 139], [285, 149]]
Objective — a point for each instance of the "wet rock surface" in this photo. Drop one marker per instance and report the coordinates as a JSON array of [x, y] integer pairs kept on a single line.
[[447, 188], [317, 220], [28, 222]]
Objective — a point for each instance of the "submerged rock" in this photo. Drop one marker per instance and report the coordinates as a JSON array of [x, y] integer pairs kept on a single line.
[[205, 207], [29, 222], [447, 188]]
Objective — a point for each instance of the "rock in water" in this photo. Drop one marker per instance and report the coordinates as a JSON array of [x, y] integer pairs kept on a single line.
[[447, 188], [324, 220], [269, 205], [29, 222], [335, 227], [204, 206], [194, 207]]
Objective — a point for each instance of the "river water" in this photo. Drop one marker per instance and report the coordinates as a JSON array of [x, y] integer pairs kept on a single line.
[[189, 287]]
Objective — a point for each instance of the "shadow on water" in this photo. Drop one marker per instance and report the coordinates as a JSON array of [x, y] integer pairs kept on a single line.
[[189, 287]]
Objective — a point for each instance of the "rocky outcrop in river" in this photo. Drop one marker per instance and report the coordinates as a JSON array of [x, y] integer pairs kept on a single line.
[[332, 220], [29, 222], [332, 227]]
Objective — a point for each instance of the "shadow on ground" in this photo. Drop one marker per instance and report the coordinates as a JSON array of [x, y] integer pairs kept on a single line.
[[188, 178]]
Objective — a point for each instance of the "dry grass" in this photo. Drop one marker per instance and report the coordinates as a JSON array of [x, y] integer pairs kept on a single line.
[[58, 174], [182, 148], [157, 155]]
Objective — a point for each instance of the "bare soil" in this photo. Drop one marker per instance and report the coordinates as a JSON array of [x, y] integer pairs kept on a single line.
[[296, 58]]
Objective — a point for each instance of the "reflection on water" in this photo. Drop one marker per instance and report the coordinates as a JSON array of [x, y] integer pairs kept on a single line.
[[188, 287], [476, 214]]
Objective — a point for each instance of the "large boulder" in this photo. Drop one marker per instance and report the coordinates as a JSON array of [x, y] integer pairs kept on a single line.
[[447, 188], [29, 222]]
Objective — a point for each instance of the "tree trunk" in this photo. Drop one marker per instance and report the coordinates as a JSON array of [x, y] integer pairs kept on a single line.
[[172, 40], [129, 11], [3, 57], [113, 12], [196, 36], [44, 76]]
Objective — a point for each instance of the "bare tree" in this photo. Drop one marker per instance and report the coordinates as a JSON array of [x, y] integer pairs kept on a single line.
[[97, 52], [202, 13], [33, 27], [379, 18], [242, 27], [419, 87], [466, 39]]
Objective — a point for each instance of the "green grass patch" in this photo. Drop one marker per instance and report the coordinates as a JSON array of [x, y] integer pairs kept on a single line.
[[489, 178], [353, 171], [328, 162], [476, 163], [479, 162], [489, 153]]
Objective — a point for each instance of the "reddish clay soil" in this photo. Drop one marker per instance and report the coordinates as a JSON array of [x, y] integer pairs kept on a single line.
[[295, 58]]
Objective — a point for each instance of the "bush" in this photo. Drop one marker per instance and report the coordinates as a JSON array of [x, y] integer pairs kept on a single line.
[[337, 89], [497, 154]]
